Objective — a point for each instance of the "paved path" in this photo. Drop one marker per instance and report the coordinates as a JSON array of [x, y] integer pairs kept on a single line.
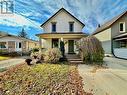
[[11, 62], [105, 81]]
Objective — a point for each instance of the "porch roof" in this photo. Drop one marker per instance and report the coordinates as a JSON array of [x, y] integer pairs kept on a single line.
[[62, 35], [121, 37]]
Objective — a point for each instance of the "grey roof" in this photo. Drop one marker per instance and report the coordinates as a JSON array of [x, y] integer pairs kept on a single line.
[[64, 33], [108, 24], [21, 38], [62, 9]]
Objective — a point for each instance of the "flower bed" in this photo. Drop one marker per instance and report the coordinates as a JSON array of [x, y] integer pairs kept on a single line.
[[42, 79]]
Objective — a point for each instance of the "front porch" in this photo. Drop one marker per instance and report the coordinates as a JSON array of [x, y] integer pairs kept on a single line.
[[10, 46], [51, 40]]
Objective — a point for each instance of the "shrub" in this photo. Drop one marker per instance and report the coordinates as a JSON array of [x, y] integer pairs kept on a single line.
[[37, 55], [90, 49], [52, 55], [35, 50], [14, 54]]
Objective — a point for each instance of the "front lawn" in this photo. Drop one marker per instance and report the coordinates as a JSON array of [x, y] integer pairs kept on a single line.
[[4, 58], [42, 79]]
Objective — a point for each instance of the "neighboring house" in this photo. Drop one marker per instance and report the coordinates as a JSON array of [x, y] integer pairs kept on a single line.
[[62, 25], [113, 36], [11, 43]]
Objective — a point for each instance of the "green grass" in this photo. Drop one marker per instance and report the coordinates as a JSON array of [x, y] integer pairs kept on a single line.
[[4, 58], [40, 79]]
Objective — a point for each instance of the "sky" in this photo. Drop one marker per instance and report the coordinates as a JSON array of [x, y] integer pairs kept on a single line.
[[30, 14]]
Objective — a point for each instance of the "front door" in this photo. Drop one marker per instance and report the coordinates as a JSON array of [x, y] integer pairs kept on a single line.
[[70, 46], [55, 43], [18, 46]]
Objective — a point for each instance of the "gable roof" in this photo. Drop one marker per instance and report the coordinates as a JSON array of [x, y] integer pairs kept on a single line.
[[108, 24], [21, 38], [62, 9]]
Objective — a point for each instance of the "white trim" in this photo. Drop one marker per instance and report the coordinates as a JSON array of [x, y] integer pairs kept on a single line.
[[17, 46], [123, 27]]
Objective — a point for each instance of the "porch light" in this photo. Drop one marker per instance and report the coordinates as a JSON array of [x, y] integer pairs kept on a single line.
[[61, 39]]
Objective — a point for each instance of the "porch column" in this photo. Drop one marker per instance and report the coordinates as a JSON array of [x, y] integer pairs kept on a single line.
[[40, 44]]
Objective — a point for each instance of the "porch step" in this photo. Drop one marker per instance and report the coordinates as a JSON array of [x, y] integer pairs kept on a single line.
[[76, 62], [74, 59], [77, 59]]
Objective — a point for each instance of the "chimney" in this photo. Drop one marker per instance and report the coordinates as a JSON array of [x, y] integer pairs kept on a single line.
[[99, 25]]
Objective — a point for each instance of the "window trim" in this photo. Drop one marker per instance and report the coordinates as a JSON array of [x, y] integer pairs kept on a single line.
[[123, 27], [17, 45]]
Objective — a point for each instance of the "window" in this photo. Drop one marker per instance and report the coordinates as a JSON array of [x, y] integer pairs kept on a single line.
[[7, 6], [55, 43], [71, 26], [123, 44], [2, 44], [54, 27], [122, 26], [20, 45]]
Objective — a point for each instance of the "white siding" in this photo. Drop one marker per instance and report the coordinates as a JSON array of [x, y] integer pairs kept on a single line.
[[105, 38], [62, 20]]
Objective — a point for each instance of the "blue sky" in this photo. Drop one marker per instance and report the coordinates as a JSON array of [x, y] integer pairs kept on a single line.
[[30, 14]]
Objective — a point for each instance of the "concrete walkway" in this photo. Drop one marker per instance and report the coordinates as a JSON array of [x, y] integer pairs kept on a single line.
[[11, 62], [105, 81]]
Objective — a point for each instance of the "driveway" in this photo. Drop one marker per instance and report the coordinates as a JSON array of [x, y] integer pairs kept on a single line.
[[11, 62], [105, 81]]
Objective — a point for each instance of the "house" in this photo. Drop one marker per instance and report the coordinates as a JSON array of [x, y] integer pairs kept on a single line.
[[11, 43], [61, 26], [113, 36]]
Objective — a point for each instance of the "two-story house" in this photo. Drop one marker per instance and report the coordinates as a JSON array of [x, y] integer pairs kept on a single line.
[[113, 36], [62, 25]]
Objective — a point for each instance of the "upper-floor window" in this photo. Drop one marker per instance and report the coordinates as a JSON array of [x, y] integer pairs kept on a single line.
[[122, 26], [53, 26], [71, 26]]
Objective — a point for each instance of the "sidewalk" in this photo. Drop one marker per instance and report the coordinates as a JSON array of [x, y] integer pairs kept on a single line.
[[12, 62]]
